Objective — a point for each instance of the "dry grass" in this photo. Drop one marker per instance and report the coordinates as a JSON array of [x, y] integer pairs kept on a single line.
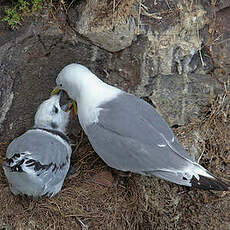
[[80, 200], [211, 136], [112, 12], [136, 202]]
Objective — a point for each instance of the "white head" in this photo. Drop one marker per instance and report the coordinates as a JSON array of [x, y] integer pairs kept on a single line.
[[75, 79], [50, 115]]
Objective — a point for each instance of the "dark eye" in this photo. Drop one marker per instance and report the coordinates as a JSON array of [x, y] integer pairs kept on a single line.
[[61, 85], [55, 109]]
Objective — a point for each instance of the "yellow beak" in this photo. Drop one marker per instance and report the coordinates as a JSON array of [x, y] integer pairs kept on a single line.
[[55, 91], [72, 105], [74, 109]]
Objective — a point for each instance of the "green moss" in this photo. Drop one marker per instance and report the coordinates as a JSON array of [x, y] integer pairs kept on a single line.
[[20, 9]]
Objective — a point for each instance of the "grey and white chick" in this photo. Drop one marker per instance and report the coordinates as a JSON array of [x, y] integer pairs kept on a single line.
[[38, 161]]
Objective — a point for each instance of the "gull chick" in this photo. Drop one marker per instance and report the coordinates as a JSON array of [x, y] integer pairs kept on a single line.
[[129, 134], [38, 161]]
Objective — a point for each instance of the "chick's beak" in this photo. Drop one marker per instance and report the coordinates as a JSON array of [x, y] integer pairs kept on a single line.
[[55, 91], [73, 106]]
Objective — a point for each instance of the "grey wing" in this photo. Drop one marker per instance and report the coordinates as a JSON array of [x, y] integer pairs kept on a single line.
[[43, 154], [131, 136], [43, 147]]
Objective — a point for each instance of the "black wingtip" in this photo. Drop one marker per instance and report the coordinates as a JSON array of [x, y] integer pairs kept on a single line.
[[208, 183]]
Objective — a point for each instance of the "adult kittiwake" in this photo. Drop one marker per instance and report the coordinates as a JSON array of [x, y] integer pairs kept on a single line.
[[128, 133], [38, 161]]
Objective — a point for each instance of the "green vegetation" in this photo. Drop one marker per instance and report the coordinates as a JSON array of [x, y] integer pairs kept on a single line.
[[20, 9]]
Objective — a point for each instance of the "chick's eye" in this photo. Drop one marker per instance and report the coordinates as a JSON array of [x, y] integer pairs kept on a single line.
[[55, 109]]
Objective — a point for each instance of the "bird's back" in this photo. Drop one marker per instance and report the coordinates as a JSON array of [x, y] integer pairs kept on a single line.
[[37, 163], [131, 136]]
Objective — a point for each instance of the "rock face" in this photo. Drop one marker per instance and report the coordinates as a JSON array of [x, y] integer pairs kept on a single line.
[[173, 59], [108, 26], [182, 98], [6, 94], [162, 56], [30, 61], [176, 63], [8, 72], [172, 50]]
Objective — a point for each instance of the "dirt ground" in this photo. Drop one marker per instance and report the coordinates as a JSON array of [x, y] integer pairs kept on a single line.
[[135, 202]]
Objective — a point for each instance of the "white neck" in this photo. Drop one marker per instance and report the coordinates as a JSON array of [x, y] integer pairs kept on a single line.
[[95, 93]]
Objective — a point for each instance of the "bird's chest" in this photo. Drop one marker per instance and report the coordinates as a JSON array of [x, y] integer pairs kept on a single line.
[[88, 115]]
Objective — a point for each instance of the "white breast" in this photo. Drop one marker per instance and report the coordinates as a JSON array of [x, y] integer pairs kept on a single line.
[[89, 104]]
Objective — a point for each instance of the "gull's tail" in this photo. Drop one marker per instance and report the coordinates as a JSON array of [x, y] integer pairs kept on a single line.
[[203, 179], [194, 175], [209, 183]]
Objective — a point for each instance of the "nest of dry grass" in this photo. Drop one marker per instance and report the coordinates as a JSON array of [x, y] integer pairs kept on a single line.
[[136, 202], [81, 202]]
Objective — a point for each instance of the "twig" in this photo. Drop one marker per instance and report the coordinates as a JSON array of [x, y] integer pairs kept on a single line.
[[83, 226], [201, 58], [220, 42], [139, 17], [79, 143], [144, 12]]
